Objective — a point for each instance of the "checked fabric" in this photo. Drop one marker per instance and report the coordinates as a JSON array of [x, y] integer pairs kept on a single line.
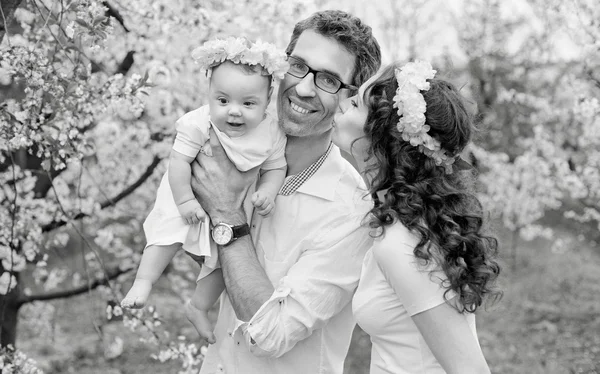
[[293, 183]]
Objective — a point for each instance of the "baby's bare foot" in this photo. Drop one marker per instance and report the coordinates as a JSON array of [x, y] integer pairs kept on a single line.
[[138, 294], [199, 318]]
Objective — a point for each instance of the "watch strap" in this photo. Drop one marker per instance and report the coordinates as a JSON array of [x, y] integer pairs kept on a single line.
[[241, 230]]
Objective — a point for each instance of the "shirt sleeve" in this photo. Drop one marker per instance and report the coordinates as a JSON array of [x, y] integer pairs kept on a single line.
[[276, 159], [419, 287], [192, 132], [317, 287]]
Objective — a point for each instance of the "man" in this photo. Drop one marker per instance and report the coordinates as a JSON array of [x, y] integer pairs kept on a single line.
[[290, 281]]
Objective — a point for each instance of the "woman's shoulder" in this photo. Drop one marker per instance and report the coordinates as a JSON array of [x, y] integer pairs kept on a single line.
[[397, 240]]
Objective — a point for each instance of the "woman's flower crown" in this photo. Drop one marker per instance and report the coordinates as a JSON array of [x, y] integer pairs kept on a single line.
[[241, 51], [412, 79]]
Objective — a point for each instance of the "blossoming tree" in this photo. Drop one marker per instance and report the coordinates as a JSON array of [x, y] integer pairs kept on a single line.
[[90, 89], [537, 97], [89, 93], [530, 69]]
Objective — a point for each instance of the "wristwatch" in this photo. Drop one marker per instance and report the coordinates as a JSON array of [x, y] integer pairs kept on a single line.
[[224, 234]]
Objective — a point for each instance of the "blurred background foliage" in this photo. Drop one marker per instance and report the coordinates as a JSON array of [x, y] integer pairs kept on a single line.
[[89, 93]]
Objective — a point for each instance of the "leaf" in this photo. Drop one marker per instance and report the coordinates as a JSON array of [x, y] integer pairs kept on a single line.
[[144, 78], [82, 23], [99, 20], [71, 47]]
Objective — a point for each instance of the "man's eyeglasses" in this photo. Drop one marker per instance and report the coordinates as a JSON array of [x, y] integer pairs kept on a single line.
[[325, 81]]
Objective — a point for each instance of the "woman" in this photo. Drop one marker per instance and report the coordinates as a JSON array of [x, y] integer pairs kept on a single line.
[[431, 266]]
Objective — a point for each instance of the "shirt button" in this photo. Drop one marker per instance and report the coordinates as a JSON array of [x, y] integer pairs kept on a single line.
[[230, 333]]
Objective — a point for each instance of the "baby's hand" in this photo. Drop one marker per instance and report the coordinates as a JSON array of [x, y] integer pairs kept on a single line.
[[262, 202], [191, 211]]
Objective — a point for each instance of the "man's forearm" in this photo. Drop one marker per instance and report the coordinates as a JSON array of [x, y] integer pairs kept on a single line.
[[247, 283]]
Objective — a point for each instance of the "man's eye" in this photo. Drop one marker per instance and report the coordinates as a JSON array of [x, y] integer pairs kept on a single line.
[[353, 103], [297, 66], [328, 81]]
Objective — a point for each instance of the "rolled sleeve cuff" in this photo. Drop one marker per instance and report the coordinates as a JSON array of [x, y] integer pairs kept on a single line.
[[263, 335]]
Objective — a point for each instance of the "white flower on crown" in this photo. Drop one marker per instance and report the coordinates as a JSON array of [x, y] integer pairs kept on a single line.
[[236, 50], [411, 105]]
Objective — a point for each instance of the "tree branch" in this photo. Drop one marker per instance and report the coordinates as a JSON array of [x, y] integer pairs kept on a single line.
[[126, 64], [110, 275], [7, 11], [112, 201], [596, 81], [113, 12]]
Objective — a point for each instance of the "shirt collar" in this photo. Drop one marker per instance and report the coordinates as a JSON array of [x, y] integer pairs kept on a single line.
[[322, 182]]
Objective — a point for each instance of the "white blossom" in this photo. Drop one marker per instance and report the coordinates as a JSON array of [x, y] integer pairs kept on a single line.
[[7, 282]]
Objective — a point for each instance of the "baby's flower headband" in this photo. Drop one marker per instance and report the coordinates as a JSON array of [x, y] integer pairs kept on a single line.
[[412, 79], [241, 51]]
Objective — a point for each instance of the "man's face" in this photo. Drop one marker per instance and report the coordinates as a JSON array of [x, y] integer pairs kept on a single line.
[[304, 109]]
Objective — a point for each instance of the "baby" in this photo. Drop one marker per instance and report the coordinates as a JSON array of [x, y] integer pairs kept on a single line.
[[241, 74]]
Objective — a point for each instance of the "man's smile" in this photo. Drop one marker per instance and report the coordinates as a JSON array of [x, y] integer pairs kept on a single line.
[[299, 109]]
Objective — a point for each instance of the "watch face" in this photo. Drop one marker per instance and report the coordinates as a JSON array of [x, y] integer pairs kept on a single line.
[[222, 234]]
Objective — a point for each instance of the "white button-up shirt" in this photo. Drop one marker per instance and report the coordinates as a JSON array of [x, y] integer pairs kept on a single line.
[[311, 247]]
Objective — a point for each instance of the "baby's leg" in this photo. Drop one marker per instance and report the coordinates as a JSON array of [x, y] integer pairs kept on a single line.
[[208, 290], [154, 261]]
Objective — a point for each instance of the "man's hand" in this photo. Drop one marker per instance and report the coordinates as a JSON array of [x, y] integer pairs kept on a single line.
[[219, 186]]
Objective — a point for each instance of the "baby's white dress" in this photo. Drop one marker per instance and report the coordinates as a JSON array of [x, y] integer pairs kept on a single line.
[[264, 145]]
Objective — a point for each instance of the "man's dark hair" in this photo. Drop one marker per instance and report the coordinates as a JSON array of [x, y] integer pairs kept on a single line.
[[348, 30]]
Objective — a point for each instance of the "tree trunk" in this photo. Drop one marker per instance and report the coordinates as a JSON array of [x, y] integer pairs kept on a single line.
[[9, 312], [7, 12]]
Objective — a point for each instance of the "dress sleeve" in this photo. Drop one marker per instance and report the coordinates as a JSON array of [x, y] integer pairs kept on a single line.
[[276, 159], [192, 132], [316, 288], [419, 287]]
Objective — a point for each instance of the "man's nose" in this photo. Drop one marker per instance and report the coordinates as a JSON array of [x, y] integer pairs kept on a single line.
[[306, 86]]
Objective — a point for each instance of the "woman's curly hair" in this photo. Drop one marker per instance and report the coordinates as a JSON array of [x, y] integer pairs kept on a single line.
[[440, 208]]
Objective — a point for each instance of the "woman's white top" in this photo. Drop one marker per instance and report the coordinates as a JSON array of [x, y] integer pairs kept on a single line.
[[394, 286]]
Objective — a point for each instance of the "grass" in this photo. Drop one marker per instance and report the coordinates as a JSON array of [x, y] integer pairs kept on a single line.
[[547, 322]]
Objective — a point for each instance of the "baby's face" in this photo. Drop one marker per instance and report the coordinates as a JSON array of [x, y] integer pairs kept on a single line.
[[237, 99]]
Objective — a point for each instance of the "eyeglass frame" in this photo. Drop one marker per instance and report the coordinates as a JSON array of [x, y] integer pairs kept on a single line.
[[315, 72]]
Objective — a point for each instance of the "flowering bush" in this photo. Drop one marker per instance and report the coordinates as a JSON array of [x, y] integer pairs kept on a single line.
[[16, 362], [539, 106]]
